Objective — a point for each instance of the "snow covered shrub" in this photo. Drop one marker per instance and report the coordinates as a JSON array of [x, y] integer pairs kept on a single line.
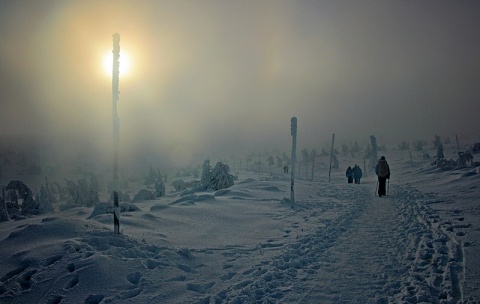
[[218, 178], [179, 185], [45, 199], [440, 151], [143, 195], [108, 208], [151, 177], [419, 145], [335, 161], [159, 188], [403, 146], [29, 205], [3, 210], [437, 142], [84, 192], [372, 155], [205, 179]]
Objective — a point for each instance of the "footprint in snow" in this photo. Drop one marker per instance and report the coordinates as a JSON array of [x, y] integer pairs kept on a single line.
[[51, 260], [55, 299], [134, 277], [72, 283]]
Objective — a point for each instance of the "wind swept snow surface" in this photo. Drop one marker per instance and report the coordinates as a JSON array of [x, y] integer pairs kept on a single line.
[[339, 243]]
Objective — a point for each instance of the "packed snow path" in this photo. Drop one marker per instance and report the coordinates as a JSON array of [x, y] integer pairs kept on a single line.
[[373, 250], [384, 256]]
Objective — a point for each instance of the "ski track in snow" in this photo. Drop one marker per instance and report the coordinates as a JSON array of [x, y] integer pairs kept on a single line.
[[347, 248]]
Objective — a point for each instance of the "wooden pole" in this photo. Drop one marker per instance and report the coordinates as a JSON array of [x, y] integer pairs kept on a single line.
[[331, 157], [293, 123], [116, 128]]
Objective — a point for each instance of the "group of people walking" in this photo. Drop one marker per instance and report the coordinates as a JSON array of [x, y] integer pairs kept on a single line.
[[382, 169], [354, 174]]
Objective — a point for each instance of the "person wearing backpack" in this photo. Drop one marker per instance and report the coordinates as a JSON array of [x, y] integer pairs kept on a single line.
[[349, 174], [357, 174], [383, 172]]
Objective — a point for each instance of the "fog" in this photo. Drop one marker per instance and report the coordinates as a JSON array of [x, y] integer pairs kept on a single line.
[[223, 78]]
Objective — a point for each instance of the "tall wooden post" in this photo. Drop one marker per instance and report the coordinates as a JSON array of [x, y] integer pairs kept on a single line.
[[331, 157], [293, 123], [116, 129]]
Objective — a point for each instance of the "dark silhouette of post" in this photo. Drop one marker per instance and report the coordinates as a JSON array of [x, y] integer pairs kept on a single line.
[[293, 122], [116, 128], [331, 157]]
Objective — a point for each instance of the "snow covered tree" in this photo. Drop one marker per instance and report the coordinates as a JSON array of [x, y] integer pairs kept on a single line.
[[355, 148], [270, 161], [305, 161], [159, 188], [373, 151], [46, 199], [440, 154], [84, 192], [403, 146], [279, 162], [419, 145], [179, 185], [205, 179], [218, 178], [29, 205], [335, 161], [3, 207], [437, 142], [313, 155]]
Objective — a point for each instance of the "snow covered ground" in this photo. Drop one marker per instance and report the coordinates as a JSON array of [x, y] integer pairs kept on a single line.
[[339, 244]]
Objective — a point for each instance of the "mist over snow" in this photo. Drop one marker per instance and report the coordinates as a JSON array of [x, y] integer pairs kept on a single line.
[[225, 78], [247, 243]]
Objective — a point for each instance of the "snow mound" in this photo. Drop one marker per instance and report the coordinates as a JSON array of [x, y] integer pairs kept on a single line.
[[108, 208]]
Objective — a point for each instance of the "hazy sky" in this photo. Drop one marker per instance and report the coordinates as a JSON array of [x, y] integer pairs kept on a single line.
[[210, 77]]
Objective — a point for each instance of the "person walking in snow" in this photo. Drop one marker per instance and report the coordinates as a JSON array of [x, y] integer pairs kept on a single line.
[[382, 169], [357, 174], [349, 174]]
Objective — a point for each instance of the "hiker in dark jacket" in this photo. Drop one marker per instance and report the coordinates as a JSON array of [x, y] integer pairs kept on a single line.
[[349, 174], [383, 172], [357, 174]]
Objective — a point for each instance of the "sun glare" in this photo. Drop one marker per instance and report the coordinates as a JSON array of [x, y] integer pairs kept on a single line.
[[124, 63]]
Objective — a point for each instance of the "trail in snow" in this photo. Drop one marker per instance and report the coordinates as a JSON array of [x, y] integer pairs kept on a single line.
[[376, 250], [339, 244], [363, 264]]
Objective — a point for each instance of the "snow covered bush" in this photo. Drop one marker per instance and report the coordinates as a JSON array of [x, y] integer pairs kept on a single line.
[[108, 208], [29, 205], [179, 185], [83, 193], [3, 211], [205, 179], [45, 199], [143, 195], [159, 188], [218, 178]]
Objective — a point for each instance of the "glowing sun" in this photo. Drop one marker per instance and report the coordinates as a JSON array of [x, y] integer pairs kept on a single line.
[[124, 63]]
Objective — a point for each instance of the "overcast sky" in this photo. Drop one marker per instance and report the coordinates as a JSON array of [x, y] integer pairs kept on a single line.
[[211, 77]]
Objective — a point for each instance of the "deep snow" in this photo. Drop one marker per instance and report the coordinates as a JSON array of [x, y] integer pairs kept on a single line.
[[340, 243]]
